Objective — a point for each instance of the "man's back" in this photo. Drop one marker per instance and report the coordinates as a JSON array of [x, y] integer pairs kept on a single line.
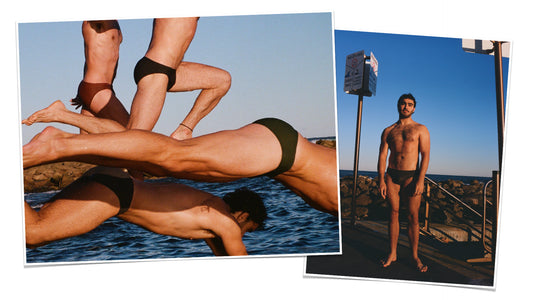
[[176, 209]]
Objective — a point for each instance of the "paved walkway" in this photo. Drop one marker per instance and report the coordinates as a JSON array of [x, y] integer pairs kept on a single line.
[[366, 243]]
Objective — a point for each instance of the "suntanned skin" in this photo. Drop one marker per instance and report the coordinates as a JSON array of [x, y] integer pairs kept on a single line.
[[171, 38], [222, 156], [164, 208], [101, 46], [406, 140]]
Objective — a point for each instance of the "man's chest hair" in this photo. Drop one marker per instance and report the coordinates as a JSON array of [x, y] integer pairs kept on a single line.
[[403, 133]]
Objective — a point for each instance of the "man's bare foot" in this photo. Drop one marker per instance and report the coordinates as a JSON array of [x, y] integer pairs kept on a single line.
[[387, 262], [40, 149], [46, 115], [422, 268], [182, 133]]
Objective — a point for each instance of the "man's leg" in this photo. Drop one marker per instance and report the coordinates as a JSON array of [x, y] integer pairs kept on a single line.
[[107, 106], [170, 40], [227, 155], [213, 82], [393, 195], [414, 226], [86, 121], [132, 149], [73, 212]]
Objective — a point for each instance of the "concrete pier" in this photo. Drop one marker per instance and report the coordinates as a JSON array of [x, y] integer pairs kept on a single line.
[[366, 243]]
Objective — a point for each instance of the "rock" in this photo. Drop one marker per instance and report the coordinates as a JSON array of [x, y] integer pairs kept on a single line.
[[327, 143], [53, 176], [369, 204]]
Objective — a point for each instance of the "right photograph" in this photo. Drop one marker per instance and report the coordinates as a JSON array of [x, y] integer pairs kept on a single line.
[[421, 125]]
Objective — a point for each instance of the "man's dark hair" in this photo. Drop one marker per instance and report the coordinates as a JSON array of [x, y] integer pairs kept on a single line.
[[406, 96], [244, 200]]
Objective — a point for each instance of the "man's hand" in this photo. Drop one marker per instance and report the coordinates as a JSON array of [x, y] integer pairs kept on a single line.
[[383, 189], [419, 188]]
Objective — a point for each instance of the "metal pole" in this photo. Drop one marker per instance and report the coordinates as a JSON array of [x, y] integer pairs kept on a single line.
[[499, 96], [501, 119], [356, 156]]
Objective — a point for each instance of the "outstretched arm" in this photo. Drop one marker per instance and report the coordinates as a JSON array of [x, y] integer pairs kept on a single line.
[[57, 112]]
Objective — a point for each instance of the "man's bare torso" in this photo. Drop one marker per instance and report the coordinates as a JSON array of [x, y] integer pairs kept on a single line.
[[403, 141], [177, 210], [102, 42]]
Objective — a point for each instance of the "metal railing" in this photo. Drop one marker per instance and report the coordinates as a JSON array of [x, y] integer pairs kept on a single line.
[[482, 234]]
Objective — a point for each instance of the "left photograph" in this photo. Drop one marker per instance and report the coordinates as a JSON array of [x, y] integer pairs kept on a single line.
[[171, 138]]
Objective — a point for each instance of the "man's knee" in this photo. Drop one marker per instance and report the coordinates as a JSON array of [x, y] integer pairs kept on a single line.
[[394, 212], [413, 218], [35, 236], [223, 82]]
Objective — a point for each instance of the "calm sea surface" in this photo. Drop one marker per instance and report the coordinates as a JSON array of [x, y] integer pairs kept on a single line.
[[292, 227]]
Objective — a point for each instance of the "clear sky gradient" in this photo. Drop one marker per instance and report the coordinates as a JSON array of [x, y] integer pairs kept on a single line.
[[281, 66], [455, 93]]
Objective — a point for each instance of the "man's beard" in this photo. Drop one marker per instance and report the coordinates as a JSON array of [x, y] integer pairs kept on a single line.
[[405, 115]]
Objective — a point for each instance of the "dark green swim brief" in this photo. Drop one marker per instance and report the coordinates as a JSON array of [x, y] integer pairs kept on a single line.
[[288, 139]]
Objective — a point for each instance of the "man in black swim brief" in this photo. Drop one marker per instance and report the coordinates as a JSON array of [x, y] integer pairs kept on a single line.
[[403, 181], [170, 40], [117, 180], [401, 176], [146, 66], [162, 207]]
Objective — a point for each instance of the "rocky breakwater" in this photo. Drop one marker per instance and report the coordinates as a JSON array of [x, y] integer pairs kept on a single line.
[[54, 176], [370, 205]]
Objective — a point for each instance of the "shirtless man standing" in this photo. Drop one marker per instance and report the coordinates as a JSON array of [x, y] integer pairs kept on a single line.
[[403, 179], [163, 70], [164, 208], [268, 147], [95, 92]]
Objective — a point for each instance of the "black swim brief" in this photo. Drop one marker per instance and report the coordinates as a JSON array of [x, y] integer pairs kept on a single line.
[[146, 66], [87, 91], [288, 139], [400, 176], [121, 186]]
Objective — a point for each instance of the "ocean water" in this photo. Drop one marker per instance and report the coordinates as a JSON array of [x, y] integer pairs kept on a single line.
[[292, 227], [434, 177]]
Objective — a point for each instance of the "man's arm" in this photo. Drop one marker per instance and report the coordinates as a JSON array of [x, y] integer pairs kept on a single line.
[[216, 246], [424, 148], [228, 239], [382, 163]]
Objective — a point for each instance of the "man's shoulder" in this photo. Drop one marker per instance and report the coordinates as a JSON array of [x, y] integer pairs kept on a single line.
[[421, 127], [390, 127]]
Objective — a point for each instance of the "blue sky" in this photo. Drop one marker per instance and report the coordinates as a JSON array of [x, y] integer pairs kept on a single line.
[[281, 66], [455, 93]]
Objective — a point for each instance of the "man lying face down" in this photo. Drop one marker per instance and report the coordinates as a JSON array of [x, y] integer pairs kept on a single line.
[[164, 208]]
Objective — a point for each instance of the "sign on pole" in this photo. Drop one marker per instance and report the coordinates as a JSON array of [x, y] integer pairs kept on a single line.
[[360, 76], [370, 87], [484, 47], [353, 74]]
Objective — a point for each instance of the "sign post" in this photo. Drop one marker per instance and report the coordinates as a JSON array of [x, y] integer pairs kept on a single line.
[[499, 50], [360, 79]]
